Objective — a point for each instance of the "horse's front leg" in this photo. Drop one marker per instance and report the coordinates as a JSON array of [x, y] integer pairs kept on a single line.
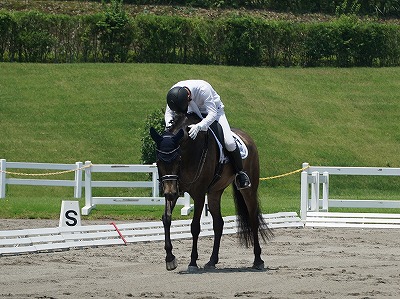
[[195, 230], [214, 205], [170, 259]]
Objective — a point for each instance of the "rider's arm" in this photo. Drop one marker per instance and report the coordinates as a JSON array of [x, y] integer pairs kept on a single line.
[[211, 109], [168, 116]]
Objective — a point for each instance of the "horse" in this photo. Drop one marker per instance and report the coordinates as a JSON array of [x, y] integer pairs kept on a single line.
[[193, 166]]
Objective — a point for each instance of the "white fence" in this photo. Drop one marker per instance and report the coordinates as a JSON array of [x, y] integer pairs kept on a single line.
[[313, 178], [53, 239], [90, 201], [33, 179], [88, 183]]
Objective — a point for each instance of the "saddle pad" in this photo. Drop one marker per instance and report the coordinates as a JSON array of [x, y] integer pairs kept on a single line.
[[242, 146], [239, 142]]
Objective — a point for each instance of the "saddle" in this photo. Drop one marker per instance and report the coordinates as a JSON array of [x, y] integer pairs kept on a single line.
[[218, 133]]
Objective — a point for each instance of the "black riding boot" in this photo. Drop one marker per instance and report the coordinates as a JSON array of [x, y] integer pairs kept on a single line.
[[242, 180]]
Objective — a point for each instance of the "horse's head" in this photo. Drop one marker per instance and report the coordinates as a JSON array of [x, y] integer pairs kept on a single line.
[[168, 158]]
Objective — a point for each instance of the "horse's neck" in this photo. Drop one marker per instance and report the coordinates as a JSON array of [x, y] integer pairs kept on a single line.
[[193, 152], [199, 157], [182, 121]]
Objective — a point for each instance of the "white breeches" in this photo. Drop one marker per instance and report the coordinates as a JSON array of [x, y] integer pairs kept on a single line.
[[230, 143]]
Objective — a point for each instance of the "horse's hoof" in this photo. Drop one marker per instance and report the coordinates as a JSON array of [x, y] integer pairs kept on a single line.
[[209, 266], [259, 267], [172, 265], [193, 269]]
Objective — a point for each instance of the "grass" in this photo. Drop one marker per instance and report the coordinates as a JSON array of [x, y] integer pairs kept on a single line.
[[63, 113]]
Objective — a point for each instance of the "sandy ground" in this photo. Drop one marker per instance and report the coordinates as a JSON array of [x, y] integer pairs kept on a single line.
[[304, 263]]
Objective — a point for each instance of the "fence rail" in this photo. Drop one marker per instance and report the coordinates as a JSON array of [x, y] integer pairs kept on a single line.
[[313, 178], [31, 179], [88, 183]]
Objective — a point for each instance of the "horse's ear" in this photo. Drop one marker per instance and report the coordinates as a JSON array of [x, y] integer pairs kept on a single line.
[[154, 135], [179, 135]]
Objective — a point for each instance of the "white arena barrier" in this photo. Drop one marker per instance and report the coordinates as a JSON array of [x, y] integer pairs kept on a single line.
[[14, 242], [355, 220], [29, 179], [314, 210], [155, 199], [79, 182]]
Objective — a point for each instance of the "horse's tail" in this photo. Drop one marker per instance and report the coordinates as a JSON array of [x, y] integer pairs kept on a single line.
[[244, 220]]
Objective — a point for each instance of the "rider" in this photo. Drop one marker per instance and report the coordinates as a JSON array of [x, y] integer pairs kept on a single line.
[[199, 96]]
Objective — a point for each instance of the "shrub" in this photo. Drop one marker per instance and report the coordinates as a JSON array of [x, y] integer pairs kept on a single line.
[[115, 33], [115, 37], [156, 120]]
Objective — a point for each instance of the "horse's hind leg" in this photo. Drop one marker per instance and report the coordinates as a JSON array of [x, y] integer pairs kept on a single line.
[[214, 204], [258, 262], [250, 198]]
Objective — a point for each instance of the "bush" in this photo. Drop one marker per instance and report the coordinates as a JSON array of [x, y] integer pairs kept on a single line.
[[155, 120], [246, 41], [241, 43], [7, 24], [33, 40], [116, 33], [161, 39]]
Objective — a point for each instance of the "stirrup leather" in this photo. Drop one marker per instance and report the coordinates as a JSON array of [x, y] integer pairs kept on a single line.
[[242, 180]]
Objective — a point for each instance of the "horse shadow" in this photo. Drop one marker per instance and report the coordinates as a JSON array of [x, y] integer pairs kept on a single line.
[[228, 270]]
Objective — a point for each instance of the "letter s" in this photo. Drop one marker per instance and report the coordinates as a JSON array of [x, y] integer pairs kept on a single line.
[[73, 219]]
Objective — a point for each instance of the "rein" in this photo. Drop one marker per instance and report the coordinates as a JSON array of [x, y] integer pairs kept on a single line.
[[174, 177], [202, 162], [172, 155]]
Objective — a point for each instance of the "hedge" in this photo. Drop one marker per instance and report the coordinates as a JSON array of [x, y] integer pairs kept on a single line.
[[247, 41]]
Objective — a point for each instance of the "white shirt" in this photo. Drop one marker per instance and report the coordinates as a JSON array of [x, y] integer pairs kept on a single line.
[[205, 100]]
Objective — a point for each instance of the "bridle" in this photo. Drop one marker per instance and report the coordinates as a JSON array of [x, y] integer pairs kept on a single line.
[[175, 153]]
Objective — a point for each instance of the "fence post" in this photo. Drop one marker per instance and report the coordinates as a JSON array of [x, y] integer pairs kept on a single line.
[[325, 191], [304, 193], [205, 214], [88, 189], [315, 192], [154, 177], [187, 207], [3, 178], [78, 180]]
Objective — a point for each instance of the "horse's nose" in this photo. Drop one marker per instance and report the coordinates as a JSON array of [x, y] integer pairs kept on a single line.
[[170, 191], [170, 195]]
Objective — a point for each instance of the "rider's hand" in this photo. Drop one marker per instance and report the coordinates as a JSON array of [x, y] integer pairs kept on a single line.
[[194, 130]]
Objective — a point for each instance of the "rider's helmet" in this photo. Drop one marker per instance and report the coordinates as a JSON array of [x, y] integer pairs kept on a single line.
[[178, 99]]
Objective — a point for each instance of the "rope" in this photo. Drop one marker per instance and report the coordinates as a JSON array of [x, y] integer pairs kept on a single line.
[[45, 174], [86, 166], [285, 174]]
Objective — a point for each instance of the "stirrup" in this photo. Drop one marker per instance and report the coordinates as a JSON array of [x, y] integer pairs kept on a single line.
[[242, 180]]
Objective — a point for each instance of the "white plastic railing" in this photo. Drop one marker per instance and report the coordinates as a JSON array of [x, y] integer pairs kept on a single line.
[[315, 177], [78, 182]]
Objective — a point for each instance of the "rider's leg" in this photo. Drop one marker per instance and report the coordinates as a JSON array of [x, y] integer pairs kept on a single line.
[[242, 179]]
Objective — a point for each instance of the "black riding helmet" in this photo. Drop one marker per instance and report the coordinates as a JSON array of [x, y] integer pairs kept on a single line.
[[178, 99]]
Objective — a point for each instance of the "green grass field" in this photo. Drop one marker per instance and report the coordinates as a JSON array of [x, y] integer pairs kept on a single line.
[[63, 113]]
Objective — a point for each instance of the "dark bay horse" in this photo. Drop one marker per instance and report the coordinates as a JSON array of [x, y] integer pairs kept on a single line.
[[192, 166]]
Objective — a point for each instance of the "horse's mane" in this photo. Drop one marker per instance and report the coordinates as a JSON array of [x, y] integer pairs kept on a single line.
[[182, 120]]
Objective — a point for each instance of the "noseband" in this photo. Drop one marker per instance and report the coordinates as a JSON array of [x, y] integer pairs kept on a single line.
[[168, 157]]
